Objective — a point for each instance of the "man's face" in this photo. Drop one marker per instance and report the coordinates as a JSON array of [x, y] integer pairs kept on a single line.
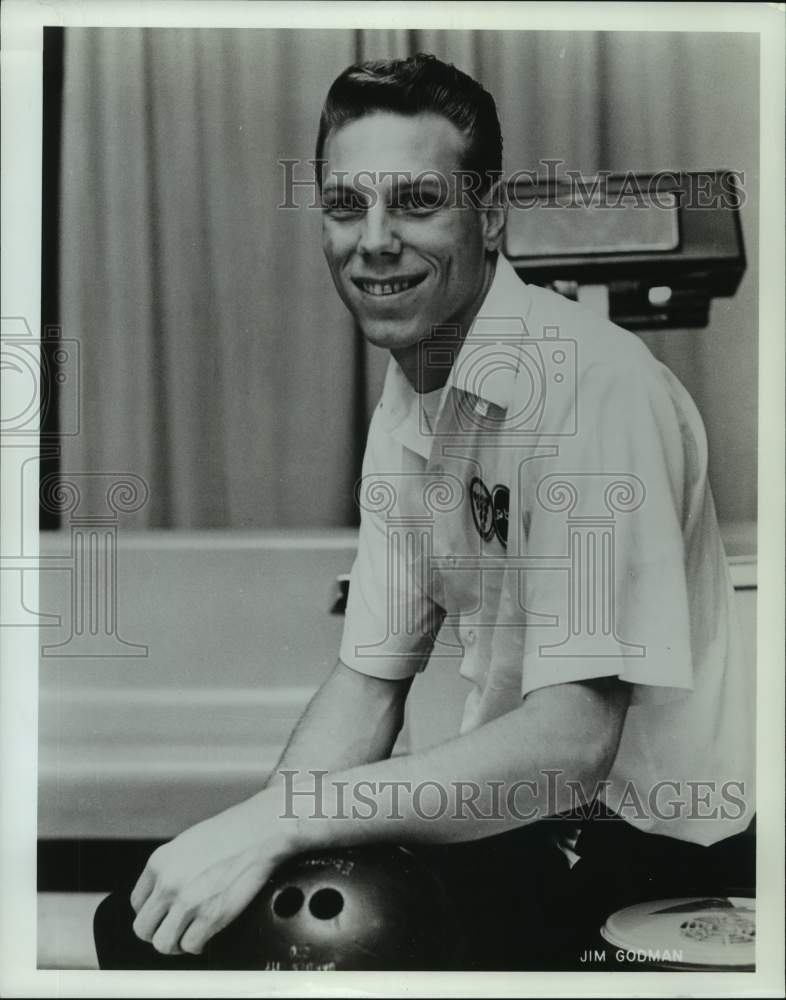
[[400, 266]]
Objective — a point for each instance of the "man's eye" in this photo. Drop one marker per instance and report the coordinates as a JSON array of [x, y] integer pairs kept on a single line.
[[415, 208], [343, 208], [419, 203]]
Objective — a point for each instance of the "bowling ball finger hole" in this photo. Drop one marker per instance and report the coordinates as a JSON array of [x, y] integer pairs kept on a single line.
[[288, 901], [326, 904]]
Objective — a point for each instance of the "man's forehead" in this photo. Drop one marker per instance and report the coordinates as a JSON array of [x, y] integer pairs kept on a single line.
[[385, 145]]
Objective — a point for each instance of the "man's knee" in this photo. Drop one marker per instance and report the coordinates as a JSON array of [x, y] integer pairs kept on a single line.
[[118, 947], [113, 930]]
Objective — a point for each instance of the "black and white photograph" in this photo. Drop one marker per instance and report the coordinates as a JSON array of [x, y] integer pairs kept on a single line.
[[392, 450]]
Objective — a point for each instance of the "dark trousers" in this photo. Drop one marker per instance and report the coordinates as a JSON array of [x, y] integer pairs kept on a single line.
[[516, 901]]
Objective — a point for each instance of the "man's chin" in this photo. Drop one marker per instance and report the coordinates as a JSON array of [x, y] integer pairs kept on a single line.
[[391, 335]]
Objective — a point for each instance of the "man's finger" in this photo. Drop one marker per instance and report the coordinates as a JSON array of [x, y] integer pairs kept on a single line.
[[167, 937], [207, 924], [198, 933], [142, 889], [153, 911]]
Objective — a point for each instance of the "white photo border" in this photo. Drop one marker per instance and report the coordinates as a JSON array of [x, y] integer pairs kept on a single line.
[[22, 45]]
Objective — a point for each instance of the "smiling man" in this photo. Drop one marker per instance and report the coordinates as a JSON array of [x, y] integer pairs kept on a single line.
[[534, 500], [402, 263]]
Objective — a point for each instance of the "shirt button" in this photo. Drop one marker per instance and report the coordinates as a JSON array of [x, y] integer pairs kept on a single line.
[[451, 560], [437, 469], [470, 636]]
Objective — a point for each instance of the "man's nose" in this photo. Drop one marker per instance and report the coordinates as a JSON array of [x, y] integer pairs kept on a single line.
[[378, 234]]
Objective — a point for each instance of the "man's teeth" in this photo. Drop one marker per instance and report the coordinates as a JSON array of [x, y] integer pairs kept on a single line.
[[387, 287]]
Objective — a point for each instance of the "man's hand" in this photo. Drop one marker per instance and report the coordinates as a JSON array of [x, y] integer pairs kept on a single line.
[[199, 882]]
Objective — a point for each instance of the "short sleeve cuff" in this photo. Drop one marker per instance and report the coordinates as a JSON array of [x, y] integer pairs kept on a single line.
[[654, 682], [388, 660]]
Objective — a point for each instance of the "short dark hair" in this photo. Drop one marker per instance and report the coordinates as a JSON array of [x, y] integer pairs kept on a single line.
[[421, 83]]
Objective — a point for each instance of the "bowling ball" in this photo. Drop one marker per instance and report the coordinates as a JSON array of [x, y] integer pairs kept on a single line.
[[363, 908]]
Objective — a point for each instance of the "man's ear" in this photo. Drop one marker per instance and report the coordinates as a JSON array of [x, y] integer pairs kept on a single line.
[[494, 208]]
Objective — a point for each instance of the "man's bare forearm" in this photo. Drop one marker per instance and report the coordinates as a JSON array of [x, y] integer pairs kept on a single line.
[[570, 730], [351, 720]]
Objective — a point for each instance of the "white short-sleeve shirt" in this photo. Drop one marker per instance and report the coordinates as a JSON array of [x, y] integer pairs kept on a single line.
[[548, 516]]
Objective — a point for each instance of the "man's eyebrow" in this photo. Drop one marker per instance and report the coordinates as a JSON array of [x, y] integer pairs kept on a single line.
[[418, 184], [403, 185], [338, 187]]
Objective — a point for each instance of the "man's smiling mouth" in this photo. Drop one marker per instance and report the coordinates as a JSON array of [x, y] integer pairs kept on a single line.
[[390, 286]]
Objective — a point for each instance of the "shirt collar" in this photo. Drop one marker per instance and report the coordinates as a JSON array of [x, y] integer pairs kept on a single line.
[[486, 366], [488, 361]]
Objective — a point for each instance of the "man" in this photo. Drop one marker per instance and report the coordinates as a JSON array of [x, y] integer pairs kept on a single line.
[[535, 482]]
